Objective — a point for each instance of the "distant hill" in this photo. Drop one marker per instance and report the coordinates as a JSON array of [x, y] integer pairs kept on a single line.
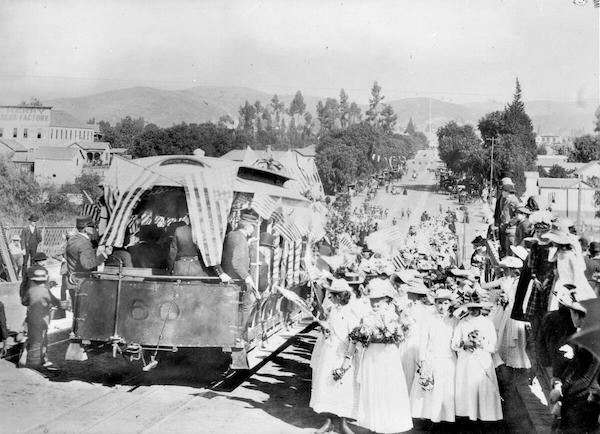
[[208, 103]]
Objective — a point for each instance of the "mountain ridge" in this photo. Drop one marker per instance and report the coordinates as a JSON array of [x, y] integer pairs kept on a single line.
[[207, 103]]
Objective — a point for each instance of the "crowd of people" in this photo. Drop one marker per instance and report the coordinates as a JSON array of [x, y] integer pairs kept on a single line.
[[409, 336]]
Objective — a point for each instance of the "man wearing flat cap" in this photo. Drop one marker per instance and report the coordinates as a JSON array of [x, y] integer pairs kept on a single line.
[[80, 254], [31, 238], [236, 260]]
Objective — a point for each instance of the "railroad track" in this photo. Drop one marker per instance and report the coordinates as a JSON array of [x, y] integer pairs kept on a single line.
[[130, 408]]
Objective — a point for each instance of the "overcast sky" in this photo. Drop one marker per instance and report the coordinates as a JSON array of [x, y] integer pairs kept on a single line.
[[455, 50]]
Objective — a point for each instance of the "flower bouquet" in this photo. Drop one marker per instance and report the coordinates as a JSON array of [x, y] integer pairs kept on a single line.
[[425, 376], [381, 328], [473, 341], [502, 300]]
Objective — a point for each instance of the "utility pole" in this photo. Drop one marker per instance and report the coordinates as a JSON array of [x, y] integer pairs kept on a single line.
[[493, 140]]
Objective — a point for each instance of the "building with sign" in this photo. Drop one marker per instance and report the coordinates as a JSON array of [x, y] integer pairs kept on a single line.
[[42, 126]]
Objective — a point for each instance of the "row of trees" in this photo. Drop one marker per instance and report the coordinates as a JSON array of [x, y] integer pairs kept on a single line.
[[509, 132], [345, 138]]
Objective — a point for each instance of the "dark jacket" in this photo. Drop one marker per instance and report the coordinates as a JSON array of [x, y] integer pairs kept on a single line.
[[40, 302], [556, 327], [148, 255], [29, 240], [236, 255], [80, 255], [182, 245]]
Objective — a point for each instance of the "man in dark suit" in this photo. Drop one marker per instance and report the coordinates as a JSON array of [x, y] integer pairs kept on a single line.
[[236, 263], [148, 253], [80, 254], [31, 237], [184, 257]]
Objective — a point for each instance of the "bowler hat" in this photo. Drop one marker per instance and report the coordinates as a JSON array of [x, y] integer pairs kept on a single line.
[[39, 256], [82, 221], [33, 218]]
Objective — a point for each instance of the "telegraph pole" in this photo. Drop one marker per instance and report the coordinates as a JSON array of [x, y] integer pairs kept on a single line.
[[493, 140]]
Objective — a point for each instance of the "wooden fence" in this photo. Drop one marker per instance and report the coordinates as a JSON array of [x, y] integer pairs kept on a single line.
[[53, 238]]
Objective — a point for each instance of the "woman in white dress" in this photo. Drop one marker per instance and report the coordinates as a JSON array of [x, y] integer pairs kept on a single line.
[[435, 401], [511, 334], [474, 340], [383, 405], [329, 396]]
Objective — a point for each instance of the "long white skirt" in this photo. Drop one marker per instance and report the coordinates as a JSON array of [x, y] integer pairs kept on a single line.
[[477, 393], [383, 404], [328, 395], [437, 404]]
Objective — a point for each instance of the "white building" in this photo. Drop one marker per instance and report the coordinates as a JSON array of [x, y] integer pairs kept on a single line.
[[566, 197], [42, 126]]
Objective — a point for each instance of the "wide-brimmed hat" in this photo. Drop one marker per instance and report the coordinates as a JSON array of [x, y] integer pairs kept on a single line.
[[379, 288], [339, 286], [558, 237], [511, 262], [37, 274], [520, 252], [506, 181], [523, 210], [569, 299], [471, 301], [403, 276], [441, 294]]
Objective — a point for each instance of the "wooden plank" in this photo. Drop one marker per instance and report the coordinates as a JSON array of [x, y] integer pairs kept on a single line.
[[5, 256]]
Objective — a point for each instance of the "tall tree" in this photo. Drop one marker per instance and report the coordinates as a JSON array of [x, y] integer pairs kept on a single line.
[[247, 114], [410, 127], [388, 119], [297, 107], [585, 149], [344, 109], [457, 145], [374, 101], [355, 114], [278, 110], [597, 123]]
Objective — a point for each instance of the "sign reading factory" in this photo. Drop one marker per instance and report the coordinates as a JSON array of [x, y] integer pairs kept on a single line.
[[25, 114]]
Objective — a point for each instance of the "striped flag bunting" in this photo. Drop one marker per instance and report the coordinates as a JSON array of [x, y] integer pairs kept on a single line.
[[294, 298], [345, 241], [391, 234], [398, 262], [297, 254], [92, 210], [209, 195], [121, 216], [264, 205]]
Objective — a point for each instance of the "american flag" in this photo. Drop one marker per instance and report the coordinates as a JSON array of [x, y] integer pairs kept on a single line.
[[121, 216], [283, 227], [398, 262], [209, 195], [91, 208], [264, 205], [345, 241]]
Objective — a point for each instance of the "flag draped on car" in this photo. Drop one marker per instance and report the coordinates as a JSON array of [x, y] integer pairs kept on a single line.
[[209, 195]]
